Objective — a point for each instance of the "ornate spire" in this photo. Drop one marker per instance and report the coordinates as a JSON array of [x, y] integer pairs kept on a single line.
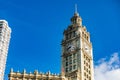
[[11, 70], [36, 72], [76, 12], [75, 8], [24, 71], [76, 19]]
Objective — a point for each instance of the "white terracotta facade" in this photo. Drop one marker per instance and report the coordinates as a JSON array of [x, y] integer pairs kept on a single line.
[[5, 32]]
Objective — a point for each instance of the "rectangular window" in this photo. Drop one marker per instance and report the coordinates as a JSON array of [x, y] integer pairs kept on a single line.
[[70, 68], [74, 67], [70, 57], [89, 78], [66, 36], [88, 60], [87, 38], [66, 63], [89, 66], [74, 55], [73, 33], [84, 68], [66, 58], [66, 69], [84, 62], [70, 35], [70, 61], [74, 61], [89, 72], [84, 74], [84, 56]]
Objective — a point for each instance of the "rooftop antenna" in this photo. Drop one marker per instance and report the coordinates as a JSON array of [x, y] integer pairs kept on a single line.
[[75, 8]]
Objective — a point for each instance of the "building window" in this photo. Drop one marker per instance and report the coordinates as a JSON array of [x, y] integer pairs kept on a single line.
[[66, 58], [74, 21], [73, 33], [88, 60], [74, 55], [66, 36], [70, 61], [74, 61], [89, 72], [70, 35], [84, 74], [74, 67], [83, 33], [89, 66], [66, 63], [70, 57], [84, 62], [70, 28], [87, 38], [84, 56], [70, 68], [66, 69], [84, 68], [89, 78]]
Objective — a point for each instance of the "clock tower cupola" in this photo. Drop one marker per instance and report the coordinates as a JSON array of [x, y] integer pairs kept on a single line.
[[76, 19]]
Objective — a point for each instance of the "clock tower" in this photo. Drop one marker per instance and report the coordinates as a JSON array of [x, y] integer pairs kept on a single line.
[[77, 56]]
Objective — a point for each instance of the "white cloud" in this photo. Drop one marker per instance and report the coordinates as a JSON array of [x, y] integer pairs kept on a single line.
[[108, 69]]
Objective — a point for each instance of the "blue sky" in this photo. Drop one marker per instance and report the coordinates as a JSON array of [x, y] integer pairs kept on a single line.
[[37, 30]]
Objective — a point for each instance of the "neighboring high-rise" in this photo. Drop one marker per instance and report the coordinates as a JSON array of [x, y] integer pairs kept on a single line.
[[5, 32], [77, 56]]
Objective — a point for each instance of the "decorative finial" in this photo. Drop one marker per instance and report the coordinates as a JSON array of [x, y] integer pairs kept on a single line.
[[30, 72], [18, 71], [36, 72], [75, 8], [11, 70], [49, 72], [24, 71]]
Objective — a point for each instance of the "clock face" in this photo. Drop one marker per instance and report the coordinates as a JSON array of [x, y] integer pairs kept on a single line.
[[70, 48], [86, 48]]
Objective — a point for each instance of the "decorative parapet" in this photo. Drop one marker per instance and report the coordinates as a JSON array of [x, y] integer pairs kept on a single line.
[[34, 76]]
